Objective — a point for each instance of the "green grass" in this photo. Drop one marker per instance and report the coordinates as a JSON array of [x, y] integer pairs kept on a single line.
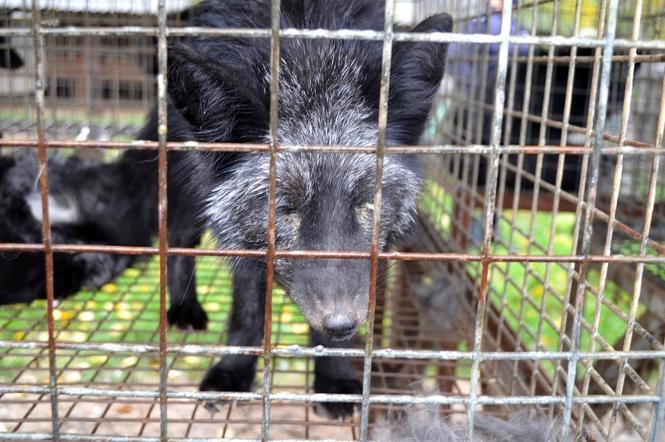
[[517, 289]]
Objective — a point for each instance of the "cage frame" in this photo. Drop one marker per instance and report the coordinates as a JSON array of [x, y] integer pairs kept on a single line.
[[604, 44]]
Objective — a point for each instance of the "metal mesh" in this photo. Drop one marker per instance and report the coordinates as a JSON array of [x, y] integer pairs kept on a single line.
[[544, 197]]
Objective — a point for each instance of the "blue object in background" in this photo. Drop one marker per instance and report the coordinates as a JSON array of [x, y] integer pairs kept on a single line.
[[461, 54]]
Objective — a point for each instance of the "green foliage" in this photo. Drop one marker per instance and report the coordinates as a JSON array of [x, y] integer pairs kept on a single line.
[[531, 296], [650, 28]]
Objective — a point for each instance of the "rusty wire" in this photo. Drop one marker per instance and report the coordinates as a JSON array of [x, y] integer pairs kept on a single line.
[[498, 204]]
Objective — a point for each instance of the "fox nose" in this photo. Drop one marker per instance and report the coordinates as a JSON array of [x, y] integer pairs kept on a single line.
[[339, 326]]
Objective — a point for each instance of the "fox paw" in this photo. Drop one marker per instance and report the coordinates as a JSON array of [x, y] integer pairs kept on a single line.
[[336, 410], [187, 317]]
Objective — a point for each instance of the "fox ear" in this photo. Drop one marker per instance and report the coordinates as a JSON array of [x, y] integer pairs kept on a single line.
[[213, 99], [418, 68]]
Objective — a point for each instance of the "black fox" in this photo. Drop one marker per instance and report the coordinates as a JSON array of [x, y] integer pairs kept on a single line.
[[89, 203], [329, 93], [95, 203]]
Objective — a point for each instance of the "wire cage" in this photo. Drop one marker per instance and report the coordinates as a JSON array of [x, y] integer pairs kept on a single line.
[[535, 279]]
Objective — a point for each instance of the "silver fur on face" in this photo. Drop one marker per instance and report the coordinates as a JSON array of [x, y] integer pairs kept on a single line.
[[317, 108], [238, 212], [329, 196], [238, 209]]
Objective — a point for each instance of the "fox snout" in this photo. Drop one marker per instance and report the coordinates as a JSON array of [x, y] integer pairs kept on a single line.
[[340, 326], [338, 315], [332, 294]]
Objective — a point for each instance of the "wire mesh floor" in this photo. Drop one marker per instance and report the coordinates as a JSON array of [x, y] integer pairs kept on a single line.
[[127, 311]]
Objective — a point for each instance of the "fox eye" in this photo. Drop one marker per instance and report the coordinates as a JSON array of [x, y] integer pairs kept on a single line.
[[364, 215]]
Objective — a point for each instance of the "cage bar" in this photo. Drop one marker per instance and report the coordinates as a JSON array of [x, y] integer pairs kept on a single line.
[[531, 325]]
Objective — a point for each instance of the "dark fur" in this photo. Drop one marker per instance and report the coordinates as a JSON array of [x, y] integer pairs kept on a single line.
[[329, 91], [117, 205], [108, 209], [9, 58]]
